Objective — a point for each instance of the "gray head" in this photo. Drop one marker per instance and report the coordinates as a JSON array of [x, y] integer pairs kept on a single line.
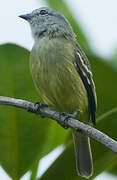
[[48, 22]]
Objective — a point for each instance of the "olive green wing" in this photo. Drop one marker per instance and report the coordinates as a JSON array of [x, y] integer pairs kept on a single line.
[[84, 70]]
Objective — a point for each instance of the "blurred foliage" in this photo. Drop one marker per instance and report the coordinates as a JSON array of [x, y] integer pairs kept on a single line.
[[25, 138], [114, 59]]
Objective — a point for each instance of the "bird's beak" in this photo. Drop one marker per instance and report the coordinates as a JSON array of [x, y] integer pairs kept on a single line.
[[25, 16]]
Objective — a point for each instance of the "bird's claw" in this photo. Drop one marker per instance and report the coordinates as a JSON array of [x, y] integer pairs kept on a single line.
[[37, 107], [66, 117]]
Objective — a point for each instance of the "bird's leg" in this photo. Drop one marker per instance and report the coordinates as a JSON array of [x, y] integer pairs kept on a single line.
[[38, 106], [66, 117]]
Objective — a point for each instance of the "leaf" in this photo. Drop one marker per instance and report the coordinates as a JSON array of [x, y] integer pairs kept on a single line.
[[24, 137], [113, 168], [113, 62], [64, 167], [105, 78]]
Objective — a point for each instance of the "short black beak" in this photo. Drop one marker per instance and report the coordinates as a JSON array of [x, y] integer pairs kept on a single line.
[[25, 16]]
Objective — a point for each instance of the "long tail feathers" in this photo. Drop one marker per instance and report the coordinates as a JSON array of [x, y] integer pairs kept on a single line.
[[84, 163]]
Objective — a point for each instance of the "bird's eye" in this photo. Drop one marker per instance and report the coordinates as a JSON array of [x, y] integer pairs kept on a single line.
[[43, 12]]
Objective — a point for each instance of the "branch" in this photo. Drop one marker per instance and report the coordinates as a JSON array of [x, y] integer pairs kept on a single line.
[[72, 123]]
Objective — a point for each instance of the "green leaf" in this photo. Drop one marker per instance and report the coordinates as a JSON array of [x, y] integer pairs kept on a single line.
[[64, 167], [113, 62], [24, 137], [113, 168], [105, 77]]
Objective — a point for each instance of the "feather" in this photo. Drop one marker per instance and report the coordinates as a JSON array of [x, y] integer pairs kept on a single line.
[[84, 70]]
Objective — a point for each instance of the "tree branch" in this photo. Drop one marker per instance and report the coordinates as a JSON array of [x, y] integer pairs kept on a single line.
[[72, 123]]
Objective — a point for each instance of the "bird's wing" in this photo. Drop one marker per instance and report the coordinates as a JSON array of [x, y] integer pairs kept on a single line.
[[84, 70]]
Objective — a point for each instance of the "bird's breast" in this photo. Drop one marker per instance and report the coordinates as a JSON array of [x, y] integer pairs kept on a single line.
[[55, 75]]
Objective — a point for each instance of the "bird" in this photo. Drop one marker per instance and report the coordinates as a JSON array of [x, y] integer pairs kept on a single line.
[[62, 75]]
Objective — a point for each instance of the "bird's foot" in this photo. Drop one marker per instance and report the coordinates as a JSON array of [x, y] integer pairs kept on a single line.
[[66, 117], [38, 106]]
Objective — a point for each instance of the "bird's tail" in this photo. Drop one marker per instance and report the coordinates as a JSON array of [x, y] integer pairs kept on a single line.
[[84, 163]]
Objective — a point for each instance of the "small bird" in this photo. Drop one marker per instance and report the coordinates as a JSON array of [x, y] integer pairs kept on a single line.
[[62, 75]]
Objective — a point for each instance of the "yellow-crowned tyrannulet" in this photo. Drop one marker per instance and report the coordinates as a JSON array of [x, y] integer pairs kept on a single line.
[[62, 74]]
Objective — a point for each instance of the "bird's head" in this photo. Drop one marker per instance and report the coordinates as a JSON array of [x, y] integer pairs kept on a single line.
[[46, 21]]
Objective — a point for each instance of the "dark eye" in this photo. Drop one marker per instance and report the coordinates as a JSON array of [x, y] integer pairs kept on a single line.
[[43, 12]]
